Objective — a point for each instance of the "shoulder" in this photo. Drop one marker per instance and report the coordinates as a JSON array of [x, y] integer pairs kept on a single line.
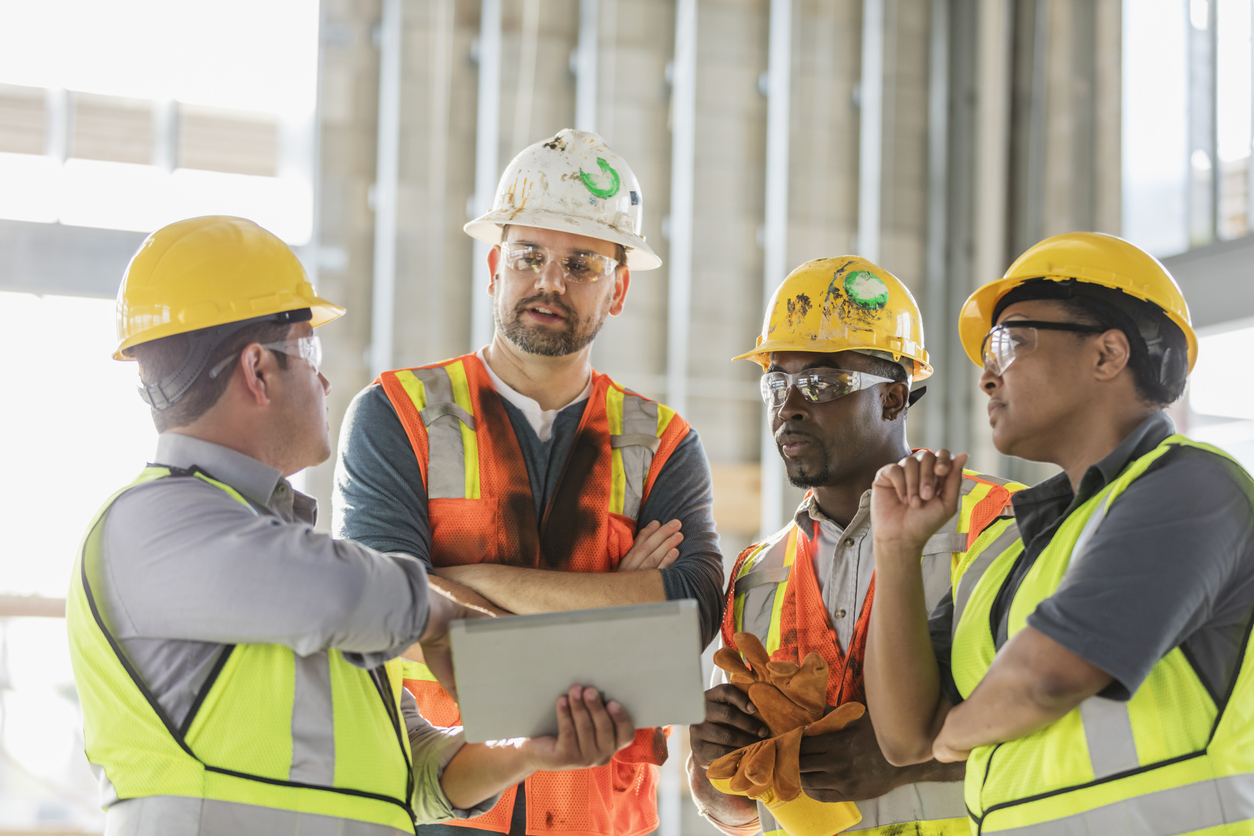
[[175, 503], [369, 405], [760, 553], [1195, 479]]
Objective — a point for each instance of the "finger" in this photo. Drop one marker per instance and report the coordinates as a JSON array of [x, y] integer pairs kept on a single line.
[[585, 731], [624, 729], [637, 551], [893, 477], [601, 722], [910, 473], [953, 482], [671, 557], [944, 461], [927, 476], [664, 550]]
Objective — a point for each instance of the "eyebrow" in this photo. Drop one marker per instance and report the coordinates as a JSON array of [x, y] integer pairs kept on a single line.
[[817, 364], [572, 251]]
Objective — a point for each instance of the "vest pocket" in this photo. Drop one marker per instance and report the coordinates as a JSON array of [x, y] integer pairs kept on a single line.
[[463, 531]]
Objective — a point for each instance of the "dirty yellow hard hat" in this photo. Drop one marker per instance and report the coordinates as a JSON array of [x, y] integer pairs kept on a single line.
[[843, 304], [1091, 258], [210, 271]]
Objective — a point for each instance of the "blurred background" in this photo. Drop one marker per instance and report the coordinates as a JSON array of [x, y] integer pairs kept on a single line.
[[940, 138]]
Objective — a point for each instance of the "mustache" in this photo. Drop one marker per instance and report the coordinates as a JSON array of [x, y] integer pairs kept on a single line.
[[548, 300], [788, 430]]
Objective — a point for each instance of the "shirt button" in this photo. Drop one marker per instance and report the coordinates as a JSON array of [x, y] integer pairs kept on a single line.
[[849, 542], [840, 613]]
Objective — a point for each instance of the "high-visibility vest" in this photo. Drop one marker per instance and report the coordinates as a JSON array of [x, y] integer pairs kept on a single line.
[[1170, 760], [482, 511], [237, 744], [774, 594]]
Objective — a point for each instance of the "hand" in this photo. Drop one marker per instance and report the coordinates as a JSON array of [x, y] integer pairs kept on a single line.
[[731, 723], [654, 548], [912, 499], [943, 753], [437, 650], [588, 733], [847, 765]]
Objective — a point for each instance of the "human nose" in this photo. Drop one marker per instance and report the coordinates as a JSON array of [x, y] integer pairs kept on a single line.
[[989, 382], [795, 405], [551, 277], [326, 384]]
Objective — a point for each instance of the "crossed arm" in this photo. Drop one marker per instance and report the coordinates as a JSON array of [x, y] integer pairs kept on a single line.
[[1033, 680]]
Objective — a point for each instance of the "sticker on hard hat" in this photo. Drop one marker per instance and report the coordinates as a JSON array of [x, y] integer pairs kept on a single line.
[[608, 191], [866, 290]]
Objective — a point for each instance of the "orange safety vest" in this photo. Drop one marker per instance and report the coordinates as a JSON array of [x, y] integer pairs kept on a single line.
[[481, 510], [804, 624]]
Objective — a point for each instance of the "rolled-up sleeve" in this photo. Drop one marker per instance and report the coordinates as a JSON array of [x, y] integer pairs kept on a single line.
[[186, 561], [433, 747]]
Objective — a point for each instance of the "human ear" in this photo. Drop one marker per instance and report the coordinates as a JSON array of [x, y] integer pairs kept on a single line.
[[622, 281], [896, 399], [257, 367], [494, 261], [1113, 354]]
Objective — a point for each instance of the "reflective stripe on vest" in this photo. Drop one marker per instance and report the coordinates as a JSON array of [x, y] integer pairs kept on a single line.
[[759, 587], [1167, 761], [268, 729], [442, 397]]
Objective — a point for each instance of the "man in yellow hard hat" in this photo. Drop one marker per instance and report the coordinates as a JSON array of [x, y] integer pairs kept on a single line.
[[841, 344], [526, 480], [1096, 676], [238, 670]]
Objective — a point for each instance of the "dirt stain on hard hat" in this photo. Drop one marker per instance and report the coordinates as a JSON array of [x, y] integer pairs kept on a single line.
[[848, 302], [556, 144], [798, 307]]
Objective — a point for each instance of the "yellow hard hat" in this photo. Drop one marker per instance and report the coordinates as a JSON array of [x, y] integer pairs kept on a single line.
[[1087, 257], [210, 271], [843, 304]]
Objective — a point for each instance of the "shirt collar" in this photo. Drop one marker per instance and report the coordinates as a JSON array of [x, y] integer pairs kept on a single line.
[[1149, 434], [255, 480], [810, 510], [528, 406]]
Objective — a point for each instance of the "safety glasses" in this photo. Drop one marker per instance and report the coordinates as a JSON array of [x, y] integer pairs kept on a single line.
[[307, 348], [816, 385], [530, 260], [1007, 341]]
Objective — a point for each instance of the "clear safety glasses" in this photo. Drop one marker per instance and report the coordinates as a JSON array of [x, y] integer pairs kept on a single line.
[[307, 348], [816, 385], [531, 260], [1007, 341]]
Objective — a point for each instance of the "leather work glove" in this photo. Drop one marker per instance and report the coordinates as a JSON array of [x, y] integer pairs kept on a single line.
[[790, 699]]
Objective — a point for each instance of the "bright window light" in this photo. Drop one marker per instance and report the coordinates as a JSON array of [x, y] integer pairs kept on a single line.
[[32, 187], [1216, 386], [1233, 84]]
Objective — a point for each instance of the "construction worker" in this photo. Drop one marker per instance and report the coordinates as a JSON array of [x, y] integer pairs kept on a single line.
[[527, 481], [1095, 675], [235, 667], [841, 344]]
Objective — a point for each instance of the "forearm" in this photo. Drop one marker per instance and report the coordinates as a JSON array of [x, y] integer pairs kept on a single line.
[[735, 815], [902, 679], [934, 771], [464, 595], [478, 772], [531, 591]]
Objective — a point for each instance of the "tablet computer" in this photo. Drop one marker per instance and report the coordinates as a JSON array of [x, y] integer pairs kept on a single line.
[[511, 670]]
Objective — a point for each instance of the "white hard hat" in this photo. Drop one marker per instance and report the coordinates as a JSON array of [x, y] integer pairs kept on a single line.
[[570, 183]]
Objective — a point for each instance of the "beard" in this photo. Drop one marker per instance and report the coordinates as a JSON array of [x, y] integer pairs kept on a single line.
[[808, 473], [573, 335]]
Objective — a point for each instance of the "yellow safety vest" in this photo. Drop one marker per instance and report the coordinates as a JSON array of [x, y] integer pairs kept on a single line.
[[1167, 761], [237, 743], [760, 586]]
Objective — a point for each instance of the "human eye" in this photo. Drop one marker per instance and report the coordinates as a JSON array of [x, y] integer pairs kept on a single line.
[[583, 267]]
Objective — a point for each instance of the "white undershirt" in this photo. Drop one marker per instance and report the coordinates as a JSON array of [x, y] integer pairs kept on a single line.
[[541, 420]]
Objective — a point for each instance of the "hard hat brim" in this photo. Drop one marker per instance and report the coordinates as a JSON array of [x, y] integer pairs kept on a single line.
[[487, 228], [761, 355], [323, 312]]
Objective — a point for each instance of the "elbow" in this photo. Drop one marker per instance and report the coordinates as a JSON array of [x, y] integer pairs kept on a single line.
[[906, 753]]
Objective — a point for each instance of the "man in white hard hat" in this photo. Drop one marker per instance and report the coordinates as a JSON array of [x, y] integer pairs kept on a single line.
[[521, 476]]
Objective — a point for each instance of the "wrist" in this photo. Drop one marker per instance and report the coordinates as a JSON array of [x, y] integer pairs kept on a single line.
[[897, 552]]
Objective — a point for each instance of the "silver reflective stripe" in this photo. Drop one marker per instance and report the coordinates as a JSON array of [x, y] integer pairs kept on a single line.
[[971, 577], [1108, 730], [313, 722], [1169, 812], [946, 541], [163, 815], [637, 444], [925, 802], [759, 601], [936, 575], [760, 577], [446, 454], [1090, 528], [439, 410]]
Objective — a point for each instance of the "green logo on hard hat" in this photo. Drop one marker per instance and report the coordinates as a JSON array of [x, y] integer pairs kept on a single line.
[[867, 290], [608, 191]]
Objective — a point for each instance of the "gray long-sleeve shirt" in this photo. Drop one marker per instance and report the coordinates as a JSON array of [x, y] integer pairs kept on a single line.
[[380, 499], [187, 569]]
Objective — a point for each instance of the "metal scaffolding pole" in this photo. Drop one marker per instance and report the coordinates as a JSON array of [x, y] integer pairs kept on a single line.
[[775, 261], [871, 129], [586, 67], [1203, 204], [386, 178], [683, 158], [487, 142], [936, 314]]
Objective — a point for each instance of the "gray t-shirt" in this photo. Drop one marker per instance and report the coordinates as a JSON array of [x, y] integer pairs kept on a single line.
[[379, 498], [188, 569], [1172, 565]]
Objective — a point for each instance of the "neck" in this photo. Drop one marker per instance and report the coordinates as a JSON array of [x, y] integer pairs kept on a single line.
[[552, 382], [840, 500], [1096, 438]]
